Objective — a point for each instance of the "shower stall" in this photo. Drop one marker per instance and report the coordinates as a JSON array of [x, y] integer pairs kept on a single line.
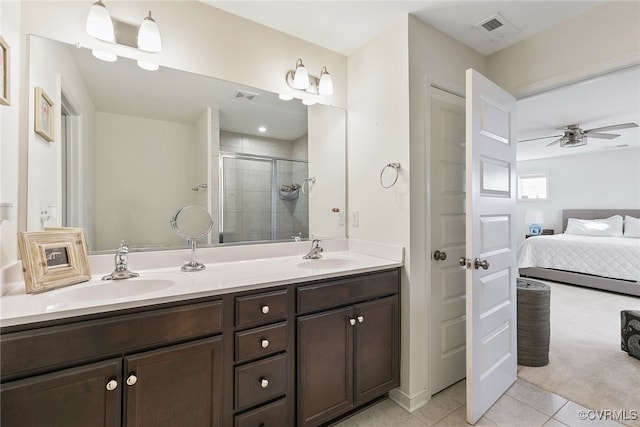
[[262, 198]]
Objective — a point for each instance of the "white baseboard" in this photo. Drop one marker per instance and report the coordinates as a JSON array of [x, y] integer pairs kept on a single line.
[[409, 404]]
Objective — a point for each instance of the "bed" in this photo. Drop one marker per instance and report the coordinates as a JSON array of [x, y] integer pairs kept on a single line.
[[608, 263]]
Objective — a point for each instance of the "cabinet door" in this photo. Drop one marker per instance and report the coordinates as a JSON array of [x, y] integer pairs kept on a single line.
[[175, 386], [325, 365], [76, 397], [377, 366]]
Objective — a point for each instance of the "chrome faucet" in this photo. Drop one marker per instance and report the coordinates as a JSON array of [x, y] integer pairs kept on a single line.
[[316, 250], [122, 268]]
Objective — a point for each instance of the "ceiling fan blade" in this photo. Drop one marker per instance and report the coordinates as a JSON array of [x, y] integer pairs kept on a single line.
[[613, 127], [554, 142], [602, 135], [542, 137]]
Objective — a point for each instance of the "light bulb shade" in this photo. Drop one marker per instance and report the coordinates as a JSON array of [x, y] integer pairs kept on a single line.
[[308, 102], [104, 56], [149, 35], [325, 87], [99, 23], [148, 65], [285, 97], [300, 76]]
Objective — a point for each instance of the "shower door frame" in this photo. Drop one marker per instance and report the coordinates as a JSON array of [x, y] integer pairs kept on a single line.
[[274, 193]]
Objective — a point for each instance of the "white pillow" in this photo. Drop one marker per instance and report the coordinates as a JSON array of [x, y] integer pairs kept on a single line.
[[631, 226], [608, 227]]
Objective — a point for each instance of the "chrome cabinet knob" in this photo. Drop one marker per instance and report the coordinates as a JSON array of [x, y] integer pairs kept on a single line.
[[132, 379], [265, 309], [439, 255], [112, 385], [352, 322], [481, 263], [264, 383], [360, 319], [264, 343]]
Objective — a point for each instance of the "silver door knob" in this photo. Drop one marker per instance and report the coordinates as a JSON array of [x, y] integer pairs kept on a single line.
[[360, 319], [264, 383], [352, 322], [481, 263], [439, 255], [265, 309], [112, 385], [132, 379], [464, 262], [264, 343]]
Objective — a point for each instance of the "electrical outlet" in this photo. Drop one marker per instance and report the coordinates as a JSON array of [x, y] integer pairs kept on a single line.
[[355, 218]]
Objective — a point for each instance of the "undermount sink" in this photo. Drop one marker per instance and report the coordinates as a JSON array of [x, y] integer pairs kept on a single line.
[[117, 289], [325, 263]]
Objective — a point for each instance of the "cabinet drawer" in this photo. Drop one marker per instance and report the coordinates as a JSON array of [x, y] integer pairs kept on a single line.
[[346, 291], [38, 350], [260, 381], [260, 342], [271, 415], [253, 310]]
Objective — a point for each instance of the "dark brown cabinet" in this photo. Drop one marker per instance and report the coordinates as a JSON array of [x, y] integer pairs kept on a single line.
[[76, 397], [346, 356]]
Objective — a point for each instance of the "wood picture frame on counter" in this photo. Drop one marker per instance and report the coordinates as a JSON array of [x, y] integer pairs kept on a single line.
[[44, 117], [53, 258], [4, 72]]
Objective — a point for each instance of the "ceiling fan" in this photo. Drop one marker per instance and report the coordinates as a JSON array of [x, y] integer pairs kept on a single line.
[[573, 136]]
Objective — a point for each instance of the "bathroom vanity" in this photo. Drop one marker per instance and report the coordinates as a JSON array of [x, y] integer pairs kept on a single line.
[[303, 349]]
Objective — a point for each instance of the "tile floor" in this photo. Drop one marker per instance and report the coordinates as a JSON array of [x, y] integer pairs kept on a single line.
[[524, 405]]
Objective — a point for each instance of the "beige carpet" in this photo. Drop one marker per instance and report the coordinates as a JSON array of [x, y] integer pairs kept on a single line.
[[586, 364]]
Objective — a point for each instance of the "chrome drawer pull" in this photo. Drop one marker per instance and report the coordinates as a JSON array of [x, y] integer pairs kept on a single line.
[[112, 385], [265, 309], [264, 343], [360, 319], [352, 322], [264, 383]]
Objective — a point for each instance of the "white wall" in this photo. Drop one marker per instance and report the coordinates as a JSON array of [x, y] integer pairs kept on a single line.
[[326, 147], [606, 180], [9, 136], [602, 39], [140, 213], [53, 70]]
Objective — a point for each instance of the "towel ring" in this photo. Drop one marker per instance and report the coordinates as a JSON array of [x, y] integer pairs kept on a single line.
[[394, 165], [309, 182]]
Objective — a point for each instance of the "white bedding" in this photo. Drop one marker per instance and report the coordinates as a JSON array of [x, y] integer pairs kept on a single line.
[[616, 257]]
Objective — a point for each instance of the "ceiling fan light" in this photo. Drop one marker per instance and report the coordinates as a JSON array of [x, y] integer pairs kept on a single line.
[[325, 87], [99, 23], [300, 76], [149, 35]]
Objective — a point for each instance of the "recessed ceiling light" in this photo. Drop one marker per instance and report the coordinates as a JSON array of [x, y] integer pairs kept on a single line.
[[262, 129]]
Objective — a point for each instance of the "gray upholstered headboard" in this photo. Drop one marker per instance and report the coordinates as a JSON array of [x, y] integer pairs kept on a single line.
[[595, 214]]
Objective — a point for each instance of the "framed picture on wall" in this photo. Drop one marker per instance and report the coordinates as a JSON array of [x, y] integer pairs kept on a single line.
[[44, 118], [53, 258], [4, 72]]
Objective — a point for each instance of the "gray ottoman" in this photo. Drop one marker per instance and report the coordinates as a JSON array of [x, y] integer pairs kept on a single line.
[[630, 322], [534, 327]]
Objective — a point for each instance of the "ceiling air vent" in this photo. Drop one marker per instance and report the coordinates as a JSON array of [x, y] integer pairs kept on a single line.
[[497, 27], [249, 96]]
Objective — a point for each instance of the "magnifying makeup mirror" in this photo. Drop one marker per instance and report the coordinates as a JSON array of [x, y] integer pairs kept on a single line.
[[192, 223]]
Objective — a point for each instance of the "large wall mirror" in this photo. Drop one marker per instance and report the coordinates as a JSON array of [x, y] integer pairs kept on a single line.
[[133, 146]]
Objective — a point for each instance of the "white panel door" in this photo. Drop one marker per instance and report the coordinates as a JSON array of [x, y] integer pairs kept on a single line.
[[447, 200], [490, 243]]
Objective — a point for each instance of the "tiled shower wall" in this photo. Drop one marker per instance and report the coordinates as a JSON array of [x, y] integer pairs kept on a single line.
[[249, 191]]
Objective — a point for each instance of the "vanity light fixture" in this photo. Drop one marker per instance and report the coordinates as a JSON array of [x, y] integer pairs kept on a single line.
[[285, 97], [146, 37], [300, 79], [308, 102]]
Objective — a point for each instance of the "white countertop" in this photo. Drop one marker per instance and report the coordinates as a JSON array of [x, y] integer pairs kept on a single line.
[[239, 268]]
